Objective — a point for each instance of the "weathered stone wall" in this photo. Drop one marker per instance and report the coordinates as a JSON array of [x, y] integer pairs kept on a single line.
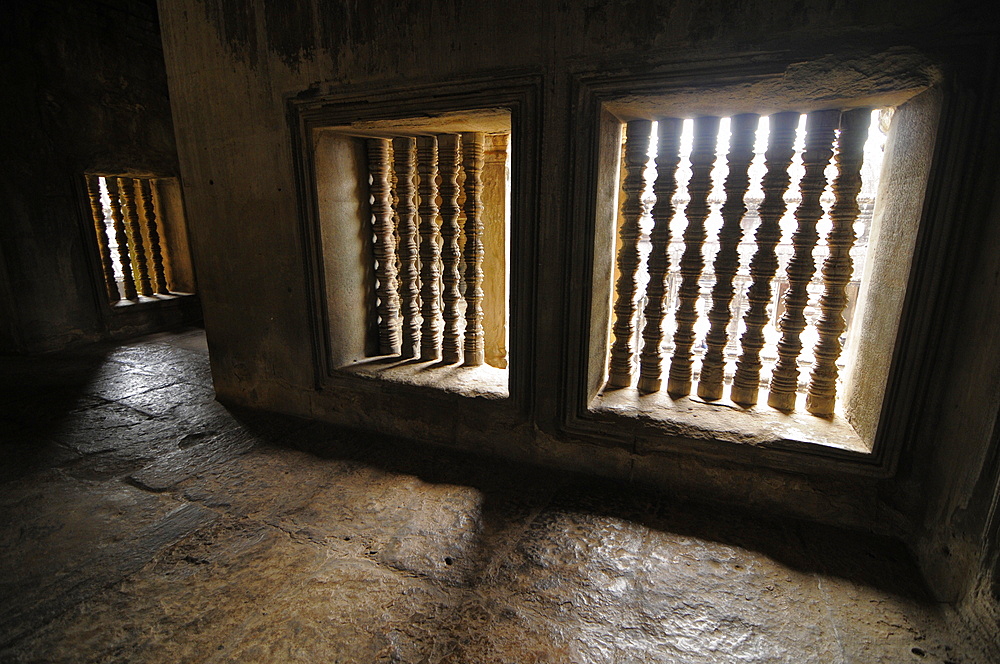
[[84, 87], [956, 464], [232, 67]]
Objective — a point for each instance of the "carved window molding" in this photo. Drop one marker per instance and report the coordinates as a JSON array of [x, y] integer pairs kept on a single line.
[[410, 209], [624, 387]]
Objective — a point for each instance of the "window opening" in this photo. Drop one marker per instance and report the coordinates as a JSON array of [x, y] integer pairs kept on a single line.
[[413, 220], [428, 214], [740, 246], [128, 226]]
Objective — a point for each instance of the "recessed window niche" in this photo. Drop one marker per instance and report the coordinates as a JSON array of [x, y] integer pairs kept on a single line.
[[413, 219], [743, 317], [417, 213]]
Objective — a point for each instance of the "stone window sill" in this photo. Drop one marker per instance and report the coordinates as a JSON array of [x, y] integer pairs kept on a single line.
[[152, 300], [483, 381], [723, 420]]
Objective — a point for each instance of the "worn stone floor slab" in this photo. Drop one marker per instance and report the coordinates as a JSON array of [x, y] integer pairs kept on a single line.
[[145, 522], [69, 539]]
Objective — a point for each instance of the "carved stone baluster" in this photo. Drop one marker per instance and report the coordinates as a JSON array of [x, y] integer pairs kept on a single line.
[[636, 155], [743, 129], [152, 232], [820, 128], [101, 229], [838, 267], [430, 252], [667, 158], [121, 237], [472, 164], [394, 202], [385, 247], [764, 264], [409, 270], [449, 164], [706, 134], [127, 188]]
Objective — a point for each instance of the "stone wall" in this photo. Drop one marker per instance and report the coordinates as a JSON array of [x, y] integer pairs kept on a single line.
[[234, 65], [84, 89]]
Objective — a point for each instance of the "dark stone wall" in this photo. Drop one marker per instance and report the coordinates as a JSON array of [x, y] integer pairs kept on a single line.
[[84, 88]]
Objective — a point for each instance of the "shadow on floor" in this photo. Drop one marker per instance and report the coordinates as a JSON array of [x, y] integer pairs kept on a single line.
[[863, 558], [38, 396]]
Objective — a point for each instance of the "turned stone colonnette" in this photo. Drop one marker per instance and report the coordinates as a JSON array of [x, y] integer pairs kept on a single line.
[[430, 251], [379, 150], [838, 266], [101, 230], [449, 163], [472, 164], [149, 221], [635, 155], [820, 133], [409, 259], [121, 239], [126, 186], [706, 132], [743, 130], [764, 264], [665, 186]]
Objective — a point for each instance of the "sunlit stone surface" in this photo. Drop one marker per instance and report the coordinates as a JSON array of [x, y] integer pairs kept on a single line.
[[144, 522]]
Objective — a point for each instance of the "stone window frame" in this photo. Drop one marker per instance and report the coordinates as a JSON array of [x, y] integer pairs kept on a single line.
[[725, 86], [336, 345]]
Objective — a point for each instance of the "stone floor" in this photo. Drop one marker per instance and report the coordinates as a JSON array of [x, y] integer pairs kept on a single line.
[[145, 522]]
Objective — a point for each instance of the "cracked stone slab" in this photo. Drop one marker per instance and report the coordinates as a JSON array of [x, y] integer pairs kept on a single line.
[[438, 530], [113, 384], [615, 590], [176, 400], [145, 355], [193, 455], [104, 442], [184, 367], [879, 608], [321, 499]]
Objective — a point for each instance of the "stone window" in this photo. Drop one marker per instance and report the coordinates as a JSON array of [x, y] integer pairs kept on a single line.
[[409, 222], [432, 200], [138, 231], [750, 290], [731, 299]]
